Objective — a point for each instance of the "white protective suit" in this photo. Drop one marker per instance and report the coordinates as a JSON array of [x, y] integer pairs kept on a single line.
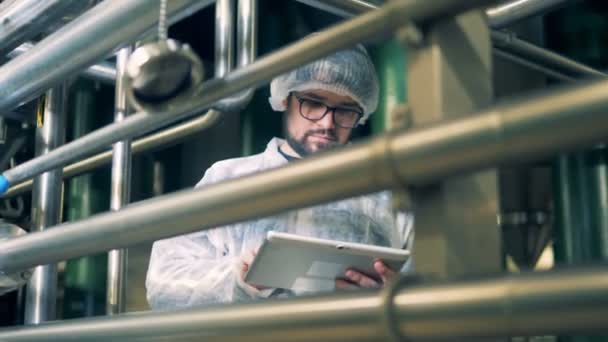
[[204, 267]]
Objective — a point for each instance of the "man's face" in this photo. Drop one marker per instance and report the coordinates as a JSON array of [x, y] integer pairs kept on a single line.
[[310, 136]]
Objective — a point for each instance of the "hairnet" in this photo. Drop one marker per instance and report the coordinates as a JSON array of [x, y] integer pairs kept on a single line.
[[348, 73]]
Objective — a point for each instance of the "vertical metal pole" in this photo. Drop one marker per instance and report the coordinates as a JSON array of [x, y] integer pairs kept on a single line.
[[224, 42], [40, 304], [121, 185]]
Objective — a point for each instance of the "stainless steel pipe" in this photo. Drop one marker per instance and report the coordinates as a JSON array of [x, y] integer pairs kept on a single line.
[[120, 192], [509, 43], [511, 12], [377, 24], [555, 302], [104, 71], [172, 135], [505, 45], [246, 49], [21, 20], [512, 132], [41, 299], [77, 45]]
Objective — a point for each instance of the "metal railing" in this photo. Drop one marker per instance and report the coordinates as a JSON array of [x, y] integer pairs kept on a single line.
[[523, 129], [563, 301], [506, 45], [376, 24]]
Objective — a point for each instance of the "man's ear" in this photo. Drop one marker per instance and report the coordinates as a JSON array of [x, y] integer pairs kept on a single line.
[[285, 104]]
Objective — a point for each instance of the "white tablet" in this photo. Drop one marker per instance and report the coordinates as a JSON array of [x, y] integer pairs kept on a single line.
[[304, 263]]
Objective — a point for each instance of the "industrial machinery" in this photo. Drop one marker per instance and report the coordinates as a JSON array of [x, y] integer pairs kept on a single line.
[[489, 131]]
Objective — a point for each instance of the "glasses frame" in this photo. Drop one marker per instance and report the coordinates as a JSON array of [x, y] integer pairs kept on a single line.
[[327, 110]]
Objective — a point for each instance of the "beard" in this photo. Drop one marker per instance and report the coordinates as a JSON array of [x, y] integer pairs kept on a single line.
[[303, 148]]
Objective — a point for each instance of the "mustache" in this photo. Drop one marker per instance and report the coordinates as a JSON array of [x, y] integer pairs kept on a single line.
[[330, 133]]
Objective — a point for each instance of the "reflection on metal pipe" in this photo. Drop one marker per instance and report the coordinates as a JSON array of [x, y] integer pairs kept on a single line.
[[104, 72], [524, 129], [41, 299], [376, 24], [70, 50], [120, 192], [524, 304], [514, 11], [21, 20]]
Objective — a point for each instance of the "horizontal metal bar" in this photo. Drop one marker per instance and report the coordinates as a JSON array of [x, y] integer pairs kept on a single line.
[[81, 43], [520, 52], [511, 12], [532, 66], [378, 24], [514, 131], [510, 43], [24, 19], [534, 303], [164, 138], [103, 71]]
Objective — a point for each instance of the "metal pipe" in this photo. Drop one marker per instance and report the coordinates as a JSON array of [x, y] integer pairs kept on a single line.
[[508, 42], [532, 66], [21, 20], [247, 32], [377, 24], [166, 137], [224, 22], [41, 299], [519, 51], [120, 192], [70, 50], [246, 52], [524, 129], [342, 8], [511, 12], [104, 71], [525, 304]]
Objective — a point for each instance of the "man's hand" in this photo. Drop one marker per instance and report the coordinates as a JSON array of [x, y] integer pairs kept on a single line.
[[355, 279], [245, 267]]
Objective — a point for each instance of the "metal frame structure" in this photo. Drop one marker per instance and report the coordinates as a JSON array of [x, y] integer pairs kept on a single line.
[[513, 131]]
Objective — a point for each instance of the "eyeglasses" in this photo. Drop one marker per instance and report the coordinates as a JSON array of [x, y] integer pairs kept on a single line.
[[314, 111]]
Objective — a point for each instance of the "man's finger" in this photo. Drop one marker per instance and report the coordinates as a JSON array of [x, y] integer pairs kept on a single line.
[[385, 272], [342, 284], [361, 279]]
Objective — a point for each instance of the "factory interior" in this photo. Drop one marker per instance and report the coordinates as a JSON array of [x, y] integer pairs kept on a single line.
[[490, 131]]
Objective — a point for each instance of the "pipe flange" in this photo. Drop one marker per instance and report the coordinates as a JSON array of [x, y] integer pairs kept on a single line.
[[161, 74]]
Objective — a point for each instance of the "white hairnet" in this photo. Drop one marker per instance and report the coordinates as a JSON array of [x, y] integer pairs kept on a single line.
[[348, 73]]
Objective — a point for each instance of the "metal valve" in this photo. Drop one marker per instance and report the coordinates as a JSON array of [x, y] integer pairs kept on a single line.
[[160, 73]]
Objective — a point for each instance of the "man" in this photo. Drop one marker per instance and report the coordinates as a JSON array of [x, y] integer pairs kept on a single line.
[[322, 103]]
